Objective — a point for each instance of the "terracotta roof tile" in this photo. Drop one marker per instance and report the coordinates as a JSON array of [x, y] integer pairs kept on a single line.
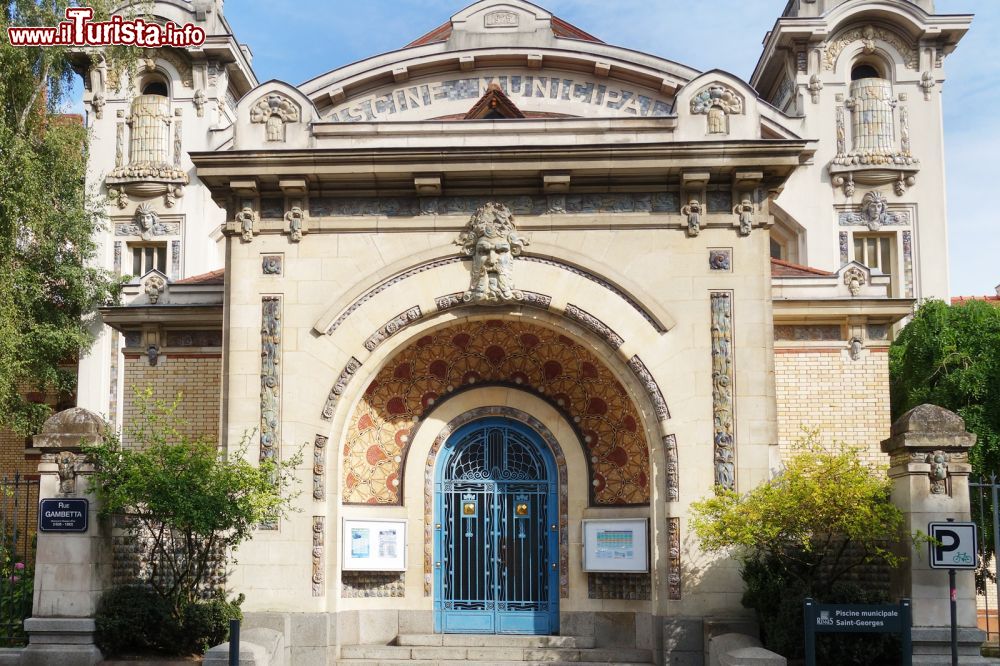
[[212, 277], [781, 268], [958, 300]]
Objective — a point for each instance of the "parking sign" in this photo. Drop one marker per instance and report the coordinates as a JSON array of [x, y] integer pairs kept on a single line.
[[954, 545]]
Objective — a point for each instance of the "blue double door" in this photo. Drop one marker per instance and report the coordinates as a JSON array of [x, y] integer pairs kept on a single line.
[[496, 532]]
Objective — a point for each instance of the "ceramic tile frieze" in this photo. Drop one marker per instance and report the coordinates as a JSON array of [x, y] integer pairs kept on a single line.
[[270, 377]]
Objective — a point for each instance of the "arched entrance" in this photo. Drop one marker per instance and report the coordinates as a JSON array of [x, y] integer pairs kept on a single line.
[[496, 548]]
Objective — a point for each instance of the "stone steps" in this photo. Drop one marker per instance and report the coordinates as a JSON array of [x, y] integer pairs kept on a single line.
[[490, 640], [497, 650]]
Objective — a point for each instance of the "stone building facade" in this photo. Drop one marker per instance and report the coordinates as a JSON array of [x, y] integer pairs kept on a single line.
[[638, 280]]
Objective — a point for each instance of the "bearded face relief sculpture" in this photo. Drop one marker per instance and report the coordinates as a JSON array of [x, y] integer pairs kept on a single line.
[[492, 241]]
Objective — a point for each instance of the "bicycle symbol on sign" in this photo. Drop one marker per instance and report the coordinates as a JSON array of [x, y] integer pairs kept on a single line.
[[962, 558]]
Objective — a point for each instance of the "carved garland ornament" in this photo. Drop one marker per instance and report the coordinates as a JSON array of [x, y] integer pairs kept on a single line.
[[724, 432], [319, 467], [492, 241], [868, 34]]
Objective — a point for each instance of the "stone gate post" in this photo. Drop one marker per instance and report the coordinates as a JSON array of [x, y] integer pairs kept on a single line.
[[929, 470], [71, 569]]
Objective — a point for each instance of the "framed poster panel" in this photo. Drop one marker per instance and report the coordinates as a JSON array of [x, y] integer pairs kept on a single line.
[[616, 544], [374, 545]]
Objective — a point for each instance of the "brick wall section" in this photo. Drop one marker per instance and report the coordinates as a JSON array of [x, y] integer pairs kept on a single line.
[[196, 377], [848, 401], [12, 458]]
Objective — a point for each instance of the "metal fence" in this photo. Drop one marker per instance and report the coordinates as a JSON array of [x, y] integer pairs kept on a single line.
[[18, 521], [983, 496]]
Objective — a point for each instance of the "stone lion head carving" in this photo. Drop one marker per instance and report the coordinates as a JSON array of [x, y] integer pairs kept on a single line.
[[492, 241]]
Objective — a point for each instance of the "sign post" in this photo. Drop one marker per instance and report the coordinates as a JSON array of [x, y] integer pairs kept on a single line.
[[953, 546], [858, 618]]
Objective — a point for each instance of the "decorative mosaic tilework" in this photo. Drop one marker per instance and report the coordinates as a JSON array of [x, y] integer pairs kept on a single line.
[[673, 468], [270, 376], [513, 353], [272, 209], [367, 584], [631, 586], [550, 441], [812, 332], [270, 264], [720, 201], [845, 257], [720, 260], [609, 202]]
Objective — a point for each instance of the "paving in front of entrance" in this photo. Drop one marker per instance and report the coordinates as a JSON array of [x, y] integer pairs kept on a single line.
[[492, 650]]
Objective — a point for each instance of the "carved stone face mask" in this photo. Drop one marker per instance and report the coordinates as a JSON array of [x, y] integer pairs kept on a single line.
[[492, 241]]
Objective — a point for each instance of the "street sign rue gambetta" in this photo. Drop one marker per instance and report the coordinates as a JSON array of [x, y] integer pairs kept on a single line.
[[63, 514]]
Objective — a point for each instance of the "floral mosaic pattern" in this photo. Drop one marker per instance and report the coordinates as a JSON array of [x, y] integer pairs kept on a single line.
[[512, 353]]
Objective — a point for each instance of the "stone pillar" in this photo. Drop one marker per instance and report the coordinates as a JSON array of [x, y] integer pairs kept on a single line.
[[71, 569], [921, 440]]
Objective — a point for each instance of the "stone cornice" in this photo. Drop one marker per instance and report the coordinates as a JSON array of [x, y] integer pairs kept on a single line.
[[389, 171], [133, 316]]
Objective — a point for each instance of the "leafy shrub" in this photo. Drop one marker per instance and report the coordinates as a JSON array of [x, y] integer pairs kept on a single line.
[[131, 618], [206, 623], [778, 602], [16, 590], [800, 535], [135, 620]]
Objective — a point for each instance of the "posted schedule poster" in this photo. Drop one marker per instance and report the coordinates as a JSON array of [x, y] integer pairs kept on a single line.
[[616, 545], [374, 545]]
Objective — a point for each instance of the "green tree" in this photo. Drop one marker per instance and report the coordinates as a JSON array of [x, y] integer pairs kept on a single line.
[[949, 355], [799, 535], [48, 285], [187, 505]]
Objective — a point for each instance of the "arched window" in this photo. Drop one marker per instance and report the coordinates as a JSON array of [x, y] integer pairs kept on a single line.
[[155, 87], [865, 71]]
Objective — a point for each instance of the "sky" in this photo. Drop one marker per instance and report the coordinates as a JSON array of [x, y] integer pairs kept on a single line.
[[296, 41]]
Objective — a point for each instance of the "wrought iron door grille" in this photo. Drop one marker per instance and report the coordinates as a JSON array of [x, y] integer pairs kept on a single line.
[[496, 545]]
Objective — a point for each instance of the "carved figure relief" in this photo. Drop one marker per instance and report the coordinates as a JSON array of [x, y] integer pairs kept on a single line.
[[717, 102], [274, 111], [815, 85], [854, 347], [199, 100], [492, 241], [68, 467], [247, 220], [874, 213], [693, 212], [296, 227], [97, 104], [153, 287], [724, 435], [146, 223], [674, 558], [927, 83], [673, 468], [938, 460], [270, 376], [854, 278], [744, 210]]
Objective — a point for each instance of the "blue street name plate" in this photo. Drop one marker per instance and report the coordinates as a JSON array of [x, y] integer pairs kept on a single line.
[[880, 618], [63, 515]]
